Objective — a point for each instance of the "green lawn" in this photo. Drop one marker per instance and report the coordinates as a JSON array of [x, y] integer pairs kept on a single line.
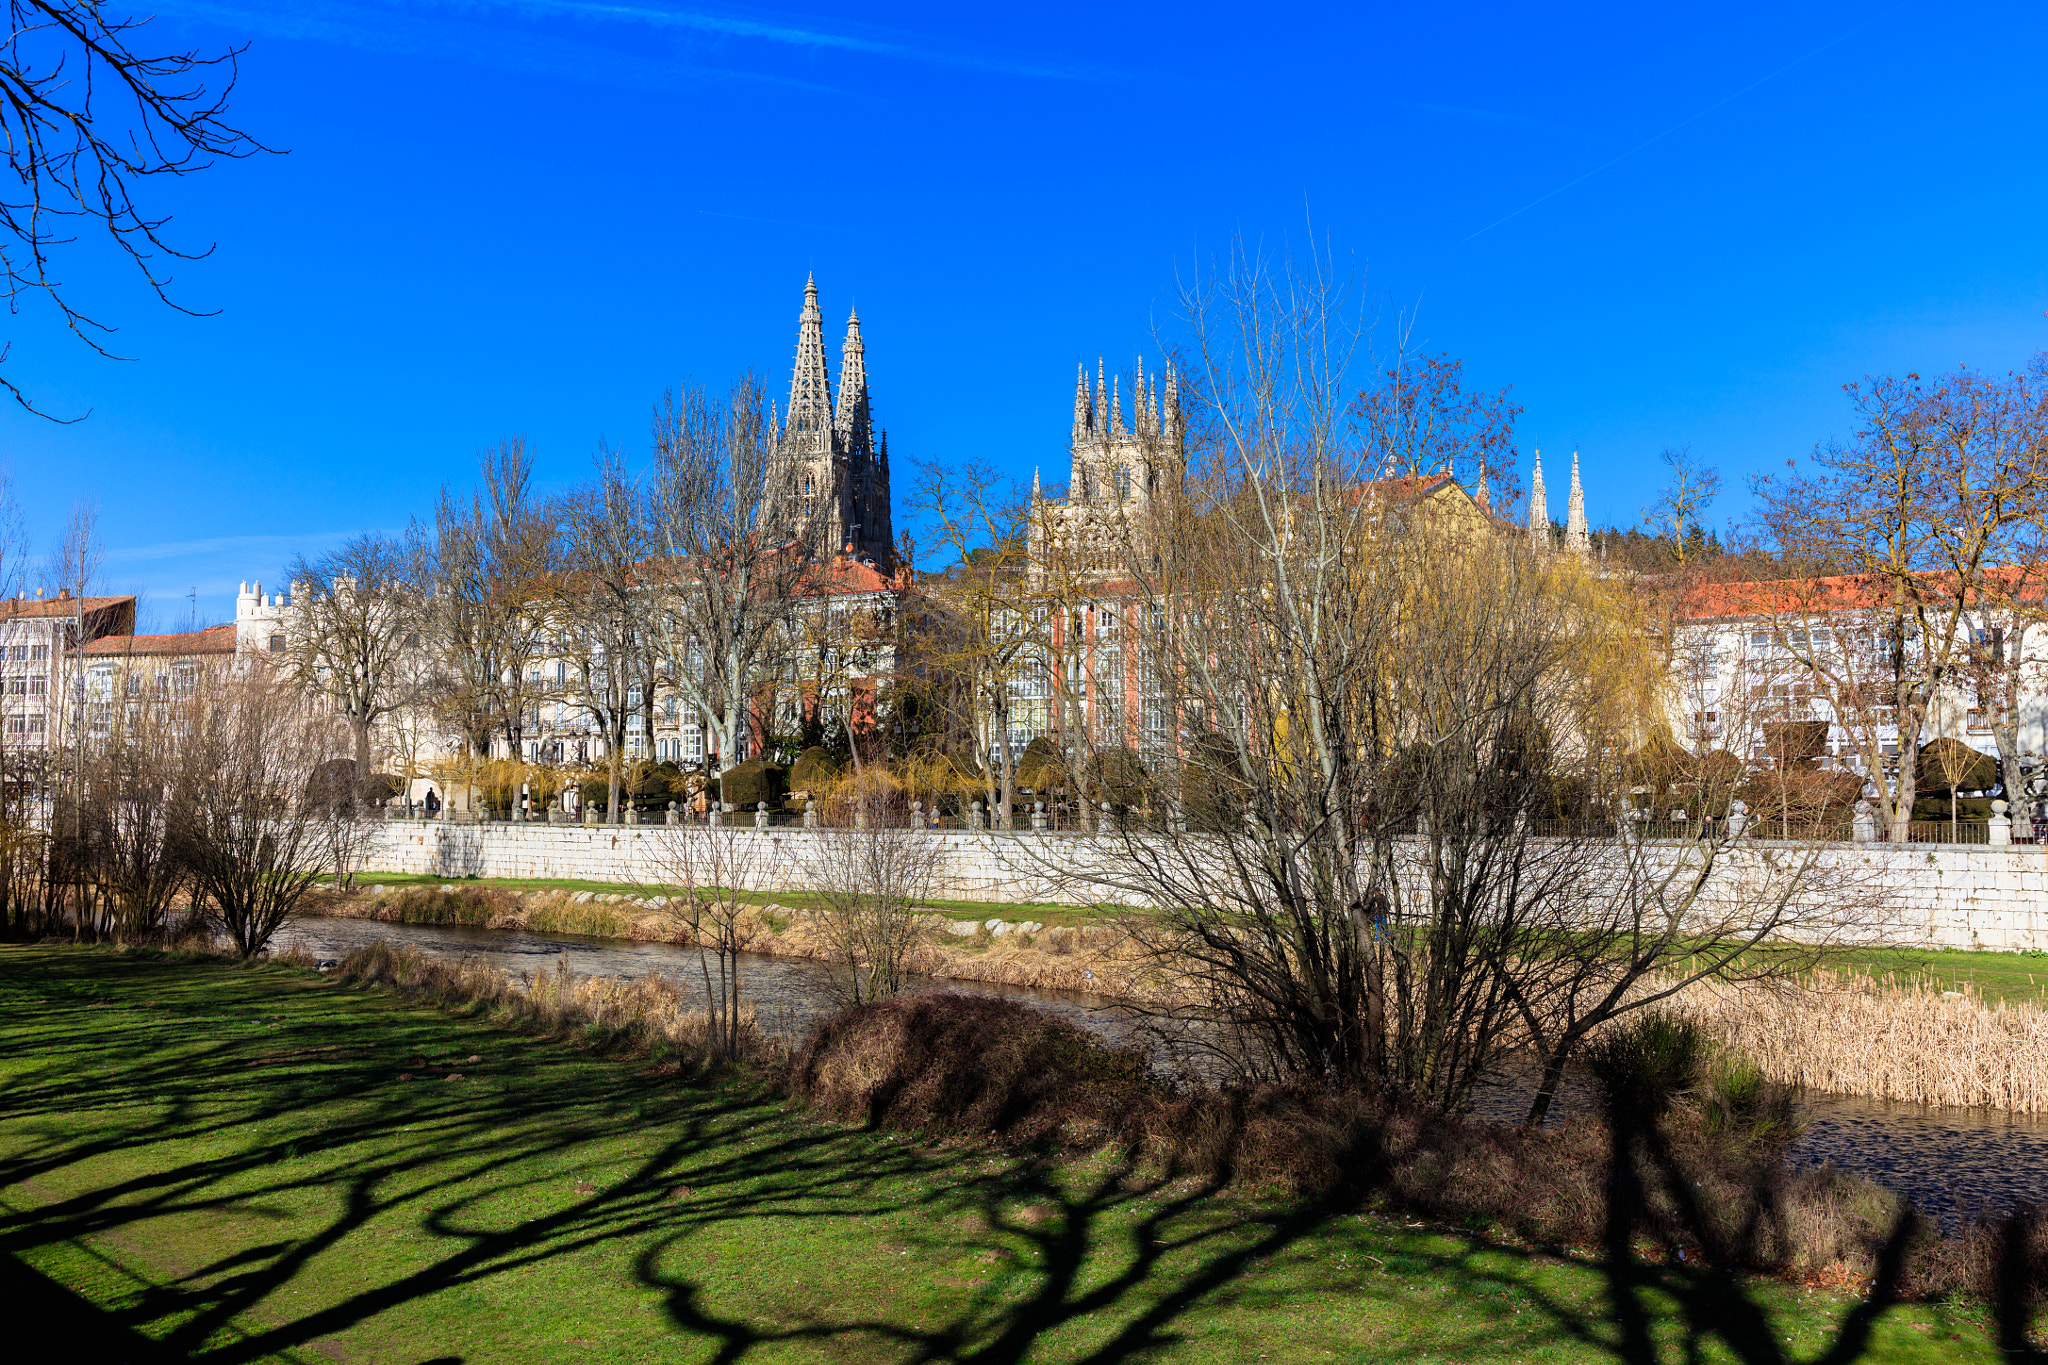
[[235, 1163], [2011, 977]]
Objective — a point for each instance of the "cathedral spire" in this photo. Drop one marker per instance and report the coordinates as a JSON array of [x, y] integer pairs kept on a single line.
[[1576, 539], [1101, 399], [1116, 407], [1081, 409], [853, 416], [1169, 414], [1539, 513], [1140, 402], [810, 391]]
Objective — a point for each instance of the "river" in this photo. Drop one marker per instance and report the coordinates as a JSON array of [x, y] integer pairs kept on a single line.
[[1952, 1162]]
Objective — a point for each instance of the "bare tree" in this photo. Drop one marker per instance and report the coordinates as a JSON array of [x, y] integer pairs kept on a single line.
[[984, 614], [1391, 847], [1418, 419], [873, 871], [85, 117], [603, 603], [74, 562], [1680, 508], [131, 785], [254, 836], [707, 875], [1895, 539], [733, 551], [355, 634], [493, 561]]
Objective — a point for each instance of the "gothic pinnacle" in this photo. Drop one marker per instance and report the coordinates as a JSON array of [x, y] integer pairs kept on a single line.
[[1539, 514], [810, 390], [1576, 539]]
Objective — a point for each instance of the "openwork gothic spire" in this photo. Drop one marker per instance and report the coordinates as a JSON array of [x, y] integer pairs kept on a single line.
[[1576, 538], [1539, 513], [810, 390], [853, 418]]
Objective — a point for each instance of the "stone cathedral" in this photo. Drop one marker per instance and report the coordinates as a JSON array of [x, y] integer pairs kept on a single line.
[[830, 460]]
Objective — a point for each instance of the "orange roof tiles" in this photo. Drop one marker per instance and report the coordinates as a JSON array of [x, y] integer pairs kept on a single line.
[[17, 608], [212, 640]]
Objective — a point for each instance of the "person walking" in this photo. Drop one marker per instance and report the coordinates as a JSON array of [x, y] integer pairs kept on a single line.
[[433, 804]]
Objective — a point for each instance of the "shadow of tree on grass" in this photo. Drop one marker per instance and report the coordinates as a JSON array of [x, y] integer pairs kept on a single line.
[[242, 1143]]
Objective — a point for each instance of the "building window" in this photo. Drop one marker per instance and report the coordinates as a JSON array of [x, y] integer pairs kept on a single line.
[[17, 684], [277, 644], [35, 724], [38, 684], [668, 711], [1980, 721], [38, 653], [19, 653], [692, 743]]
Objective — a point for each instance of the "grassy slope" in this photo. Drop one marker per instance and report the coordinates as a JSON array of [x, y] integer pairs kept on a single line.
[[229, 1161], [2015, 978]]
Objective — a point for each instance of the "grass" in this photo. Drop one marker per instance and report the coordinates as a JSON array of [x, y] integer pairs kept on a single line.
[[2014, 978], [1010, 911], [200, 1160]]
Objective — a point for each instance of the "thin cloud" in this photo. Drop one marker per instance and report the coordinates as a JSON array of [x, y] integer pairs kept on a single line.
[[473, 35], [373, 29], [791, 34], [251, 545]]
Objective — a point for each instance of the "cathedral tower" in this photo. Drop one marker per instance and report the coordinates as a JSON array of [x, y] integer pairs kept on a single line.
[[832, 463]]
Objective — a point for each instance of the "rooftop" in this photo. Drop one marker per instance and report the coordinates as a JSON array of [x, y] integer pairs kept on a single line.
[[212, 640]]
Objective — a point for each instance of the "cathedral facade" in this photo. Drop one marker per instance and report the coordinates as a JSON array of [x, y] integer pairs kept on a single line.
[[831, 463], [1119, 473]]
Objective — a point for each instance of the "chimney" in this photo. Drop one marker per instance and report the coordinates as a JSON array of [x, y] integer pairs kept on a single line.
[[63, 594]]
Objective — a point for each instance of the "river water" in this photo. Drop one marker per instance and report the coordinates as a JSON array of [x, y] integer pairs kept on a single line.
[[1952, 1162]]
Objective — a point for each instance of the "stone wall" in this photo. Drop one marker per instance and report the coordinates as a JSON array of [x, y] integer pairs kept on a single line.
[[1953, 895]]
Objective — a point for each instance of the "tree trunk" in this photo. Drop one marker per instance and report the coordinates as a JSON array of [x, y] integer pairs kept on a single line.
[[361, 726]]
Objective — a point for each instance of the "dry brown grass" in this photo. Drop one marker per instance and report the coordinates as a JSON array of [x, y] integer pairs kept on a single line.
[[974, 1067], [647, 1013], [1845, 1035], [1849, 1035]]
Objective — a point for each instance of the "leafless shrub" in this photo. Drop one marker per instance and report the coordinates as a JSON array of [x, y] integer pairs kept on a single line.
[[244, 827], [872, 874], [715, 868]]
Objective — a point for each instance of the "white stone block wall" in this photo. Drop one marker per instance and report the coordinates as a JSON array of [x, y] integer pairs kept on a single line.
[[1952, 895]]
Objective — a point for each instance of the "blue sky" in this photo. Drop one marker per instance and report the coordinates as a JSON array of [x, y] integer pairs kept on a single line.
[[1663, 225]]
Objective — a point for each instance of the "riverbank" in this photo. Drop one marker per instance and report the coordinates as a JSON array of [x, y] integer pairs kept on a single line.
[[1089, 954], [266, 1165], [1950, 1029]]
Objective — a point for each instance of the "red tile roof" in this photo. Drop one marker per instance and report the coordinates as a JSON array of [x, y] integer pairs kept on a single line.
[[1840, 592], [17, 608], [212, 640]]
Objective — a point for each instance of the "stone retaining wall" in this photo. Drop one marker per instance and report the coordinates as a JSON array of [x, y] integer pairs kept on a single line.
[[1952, 895]]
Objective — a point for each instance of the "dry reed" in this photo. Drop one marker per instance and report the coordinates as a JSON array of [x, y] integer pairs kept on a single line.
[[1849, 1035], [648, 1012], [1843, 1035]]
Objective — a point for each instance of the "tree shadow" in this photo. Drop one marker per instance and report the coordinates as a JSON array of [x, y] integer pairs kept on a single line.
[[239, 1096]]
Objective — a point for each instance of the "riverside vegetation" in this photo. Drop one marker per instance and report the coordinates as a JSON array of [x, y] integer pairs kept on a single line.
[[415, 1158], [1955, 1029]]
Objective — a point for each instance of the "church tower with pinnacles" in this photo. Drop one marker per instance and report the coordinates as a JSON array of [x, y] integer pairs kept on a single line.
[[831, 463], [1118, 471]]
